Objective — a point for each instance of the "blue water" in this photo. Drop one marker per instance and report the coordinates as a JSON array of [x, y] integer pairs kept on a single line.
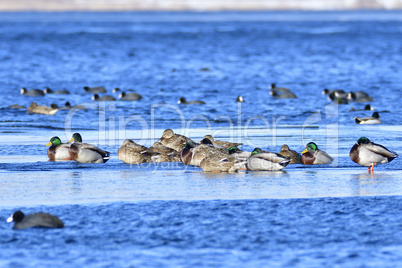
[[176, 216]]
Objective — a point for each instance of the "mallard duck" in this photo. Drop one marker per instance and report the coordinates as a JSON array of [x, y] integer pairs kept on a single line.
[[314, 156], [172, 140], [291, 154], [40, 109], [32, 92], [213, 165], [85, 152], [58, 151], [279, 89], [218, 143], [367, 153], [237, 155], [240, 99], [96, 97], [359, 96], [133, 153], [183, 100], [164, 150], [266, 161], [283, 95], [369, 120], [57, 92], [40, 219], [95, 89], [131, 96], [193, 154]]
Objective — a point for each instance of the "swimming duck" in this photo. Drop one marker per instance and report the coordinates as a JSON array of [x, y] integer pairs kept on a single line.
[[338, 100], [96, 97], [279, 89], [359, 96], [39, 219], [172, 140], [16, 107], [369, 120], [240, 99], [95, 89], [366, 108], [131, 96], [218, 143], [283, 95], [291, 154], [183, 100], [314, 156], [266, 161], [40, 109], [32, 92], [58, 92], [85, 152], [367, 153], [133, 153], [58, 151]]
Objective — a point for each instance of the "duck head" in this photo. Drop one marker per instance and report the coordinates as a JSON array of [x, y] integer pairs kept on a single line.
[[55, 141], [311, 147]]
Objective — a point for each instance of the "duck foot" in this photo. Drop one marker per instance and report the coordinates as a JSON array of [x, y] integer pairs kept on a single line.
[[371, 169]]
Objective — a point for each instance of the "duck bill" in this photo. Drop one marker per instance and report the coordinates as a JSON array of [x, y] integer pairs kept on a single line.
[[10, 219], [72, 139], [304, 151], [50, 143]]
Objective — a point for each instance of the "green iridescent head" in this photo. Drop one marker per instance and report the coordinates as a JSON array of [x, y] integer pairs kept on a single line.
[[233, 150], [55, 141], [363, 140], [76, 138], [256, 151]]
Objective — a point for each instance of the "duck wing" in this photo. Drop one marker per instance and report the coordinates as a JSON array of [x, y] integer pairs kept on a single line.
[[379, 149]]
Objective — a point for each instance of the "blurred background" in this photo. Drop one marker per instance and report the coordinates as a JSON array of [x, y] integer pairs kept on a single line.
[[115, 5]]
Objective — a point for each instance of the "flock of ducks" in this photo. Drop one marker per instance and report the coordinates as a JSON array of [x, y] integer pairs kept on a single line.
[[213, 155]]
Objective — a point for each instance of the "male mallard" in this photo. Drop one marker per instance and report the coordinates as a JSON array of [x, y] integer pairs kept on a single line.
[[368, 154], [58, 151], [40, 109], [263, 160], [313, 156], [183, 100], [291, 154], [85, 152], [40, 219], [32, 92], [131, 96], [172, 140], [236, 155], [369, 120], [218, 143], [133, 153]]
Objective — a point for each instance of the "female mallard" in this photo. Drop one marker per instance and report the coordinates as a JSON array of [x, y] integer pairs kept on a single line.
[[133, 153], [218, 143], [313, 156], [58, 151], [263, 160], [172, 140], [40, 109], [85, 152], [368, 154], [369, 120], [214, 165], [193, 154], [291, 154]]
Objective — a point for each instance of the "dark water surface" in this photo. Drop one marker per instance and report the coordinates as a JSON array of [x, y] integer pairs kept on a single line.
[[176, 216]]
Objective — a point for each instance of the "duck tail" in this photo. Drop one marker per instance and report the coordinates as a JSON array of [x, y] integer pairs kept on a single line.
[[357, 120]]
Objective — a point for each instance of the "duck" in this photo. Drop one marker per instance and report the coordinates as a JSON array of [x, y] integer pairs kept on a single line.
[[291, 154], [338, 100], [16, 107], [134, 153], [193, 154], [96, 97], [266, 161], [172, 140], [32, 92], [311, 155], [283, 95], [213, 165], [40, 219], [40, 109], [240, 99], [279, 89], [359, 96], [218, 143], [369, 120], [58, 151], [85, 152], [131, 96], [367, 107], [164, 150], [58, 92], [183, 100], [368, 154], [237, 155], [95, 89]]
